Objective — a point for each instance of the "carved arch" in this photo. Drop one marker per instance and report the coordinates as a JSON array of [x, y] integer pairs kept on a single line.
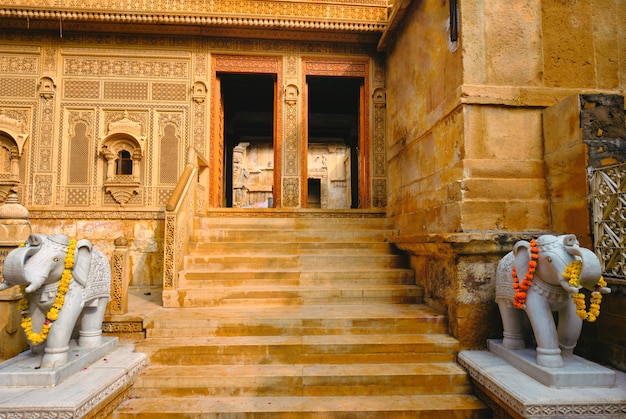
[[13, 123]]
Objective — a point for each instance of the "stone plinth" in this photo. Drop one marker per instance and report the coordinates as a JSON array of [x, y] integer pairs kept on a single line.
[[23, 370], [514, 394], [577, 372], [93, 391]]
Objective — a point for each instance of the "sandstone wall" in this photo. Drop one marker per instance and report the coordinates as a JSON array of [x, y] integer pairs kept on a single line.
[[145, 237], [465, 134]]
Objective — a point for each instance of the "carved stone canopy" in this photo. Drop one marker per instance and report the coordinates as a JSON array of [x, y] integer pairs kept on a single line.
[[127, 127], [302, 19]]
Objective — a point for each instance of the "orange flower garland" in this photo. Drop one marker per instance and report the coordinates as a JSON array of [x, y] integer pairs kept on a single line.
[[519, 300], [53, 314]]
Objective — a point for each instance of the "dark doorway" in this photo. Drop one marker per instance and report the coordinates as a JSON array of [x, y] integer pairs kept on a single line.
[[248, 106], [314, 198], [333, 138]]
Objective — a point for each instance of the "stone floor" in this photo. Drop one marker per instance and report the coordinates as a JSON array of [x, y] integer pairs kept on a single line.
[[141, 302]]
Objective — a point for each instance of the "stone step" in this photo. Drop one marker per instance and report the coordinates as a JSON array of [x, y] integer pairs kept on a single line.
[[288, 236], [302, 380], [317, 222], [297, 317], [291, 262], [295, 321], [292, 295], [205, 278], [314, 349], [289, 248], [425, 406]]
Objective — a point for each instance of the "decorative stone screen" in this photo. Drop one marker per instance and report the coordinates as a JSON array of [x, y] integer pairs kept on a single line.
[[608, 192], [79, 155], [168, 173]]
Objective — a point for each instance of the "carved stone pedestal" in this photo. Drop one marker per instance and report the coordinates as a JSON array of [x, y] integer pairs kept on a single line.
[[570, 393], [92, 386]]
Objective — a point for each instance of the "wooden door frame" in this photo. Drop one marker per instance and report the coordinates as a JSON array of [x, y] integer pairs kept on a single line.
[[342, 67], [242, 64]]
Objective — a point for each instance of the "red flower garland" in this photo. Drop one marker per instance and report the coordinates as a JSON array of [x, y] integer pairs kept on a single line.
[[520, 289]]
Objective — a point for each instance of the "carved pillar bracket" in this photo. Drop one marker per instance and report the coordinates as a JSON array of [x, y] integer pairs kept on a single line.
[[47, 88], [291, 94]]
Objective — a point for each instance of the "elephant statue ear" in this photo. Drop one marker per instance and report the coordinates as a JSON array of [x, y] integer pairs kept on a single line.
[[82, 262], [521, 253]]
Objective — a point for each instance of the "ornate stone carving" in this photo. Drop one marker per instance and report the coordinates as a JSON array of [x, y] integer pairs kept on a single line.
[[125, 135], [291, 94], [609, 209], [14, 122], [301, 18], [128, 124], [119, 278], [42, 190], [47, 87], [199, 92], [291, 196], [127, 67]]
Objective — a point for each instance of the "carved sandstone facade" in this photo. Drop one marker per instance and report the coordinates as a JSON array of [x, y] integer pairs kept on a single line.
[[101, 105]]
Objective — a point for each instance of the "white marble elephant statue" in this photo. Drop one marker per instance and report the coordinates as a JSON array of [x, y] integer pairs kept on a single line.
[[535, 277], [65, 283]]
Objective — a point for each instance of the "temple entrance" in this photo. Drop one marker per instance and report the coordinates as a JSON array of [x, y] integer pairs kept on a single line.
[[333, 141], [246, 133], [248, 115]]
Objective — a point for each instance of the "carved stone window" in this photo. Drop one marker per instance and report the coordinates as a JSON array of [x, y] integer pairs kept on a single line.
[[123, 159], [123, 150], [124, 163]]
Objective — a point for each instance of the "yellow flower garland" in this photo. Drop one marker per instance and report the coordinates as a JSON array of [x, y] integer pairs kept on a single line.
[[572, 273], [53, 314]]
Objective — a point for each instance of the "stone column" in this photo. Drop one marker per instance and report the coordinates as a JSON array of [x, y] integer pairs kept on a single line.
[[120, 277]]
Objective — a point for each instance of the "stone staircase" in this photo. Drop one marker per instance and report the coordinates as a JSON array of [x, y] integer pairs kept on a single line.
[[298, 317]]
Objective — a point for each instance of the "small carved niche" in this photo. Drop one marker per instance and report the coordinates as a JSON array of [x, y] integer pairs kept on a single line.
[[198, 92], [291, 94], [379, 97], [47, 87]]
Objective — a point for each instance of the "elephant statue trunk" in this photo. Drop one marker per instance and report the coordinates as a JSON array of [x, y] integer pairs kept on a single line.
[[591, 268]]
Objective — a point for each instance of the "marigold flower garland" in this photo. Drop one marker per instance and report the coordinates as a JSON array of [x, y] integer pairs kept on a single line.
[[53, 314], [571, 274], [521, 288]]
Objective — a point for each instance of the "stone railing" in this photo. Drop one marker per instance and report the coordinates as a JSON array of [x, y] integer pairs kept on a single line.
[[608, 188], [187, 200]]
